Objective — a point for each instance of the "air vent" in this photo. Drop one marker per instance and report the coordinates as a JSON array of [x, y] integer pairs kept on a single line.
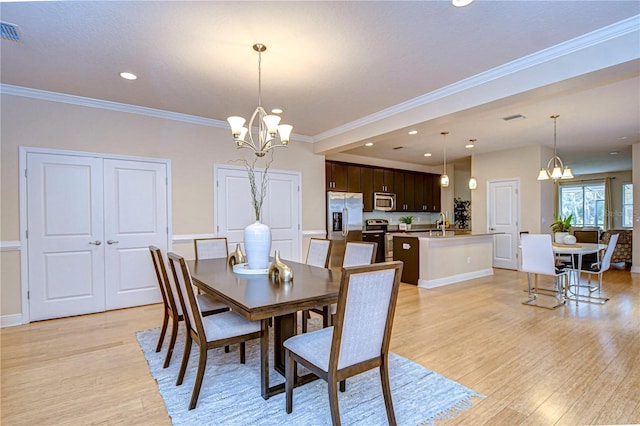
[[398, 147], [9, 31], [514, 117]]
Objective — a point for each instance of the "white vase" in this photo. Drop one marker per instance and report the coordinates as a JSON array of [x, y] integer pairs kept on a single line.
[[257, 245], [559, 237]]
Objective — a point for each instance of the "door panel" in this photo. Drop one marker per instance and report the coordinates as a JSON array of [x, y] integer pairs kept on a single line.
[[135, 196], [503, 218], [280, 210], [64, 218]]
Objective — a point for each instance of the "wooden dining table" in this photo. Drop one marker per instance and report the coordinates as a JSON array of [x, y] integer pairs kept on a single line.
[[258, 298]]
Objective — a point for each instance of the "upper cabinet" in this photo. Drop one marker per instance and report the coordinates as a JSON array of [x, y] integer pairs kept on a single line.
[[383, 180], [415, 191], [336, 176]]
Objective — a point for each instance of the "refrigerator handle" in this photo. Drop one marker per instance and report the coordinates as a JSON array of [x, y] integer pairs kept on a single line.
[[345, 222]]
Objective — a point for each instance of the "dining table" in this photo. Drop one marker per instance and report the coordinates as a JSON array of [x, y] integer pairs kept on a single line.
[[257, 297], [578, 250]]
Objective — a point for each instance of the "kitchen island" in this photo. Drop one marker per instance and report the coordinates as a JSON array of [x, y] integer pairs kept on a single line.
[[433, 260]]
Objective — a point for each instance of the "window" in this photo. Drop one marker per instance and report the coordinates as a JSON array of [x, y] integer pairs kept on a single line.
[[585, 202], [627, 205]]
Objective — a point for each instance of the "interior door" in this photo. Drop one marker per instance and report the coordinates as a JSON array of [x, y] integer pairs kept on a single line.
[[281, 209], [135, 195], [65, 235], [503, 203]]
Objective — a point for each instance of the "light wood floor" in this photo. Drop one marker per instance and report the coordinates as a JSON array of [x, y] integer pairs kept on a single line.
[[575, 365]]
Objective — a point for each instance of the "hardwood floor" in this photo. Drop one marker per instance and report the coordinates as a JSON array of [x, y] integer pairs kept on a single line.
[[576, 365]]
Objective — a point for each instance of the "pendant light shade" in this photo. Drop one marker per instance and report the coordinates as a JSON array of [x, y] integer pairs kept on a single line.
[[444, 179], [473, 183]]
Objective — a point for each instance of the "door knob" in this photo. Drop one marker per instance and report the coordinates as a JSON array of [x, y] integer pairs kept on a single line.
[[96, 242], [492, 229], [112, 242]]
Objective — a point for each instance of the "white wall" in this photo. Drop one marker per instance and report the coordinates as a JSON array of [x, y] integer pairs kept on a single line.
[[636, 208], [192, 149]]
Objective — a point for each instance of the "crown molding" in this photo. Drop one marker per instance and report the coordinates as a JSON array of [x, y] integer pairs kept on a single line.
[[27, 92], [619, 29]]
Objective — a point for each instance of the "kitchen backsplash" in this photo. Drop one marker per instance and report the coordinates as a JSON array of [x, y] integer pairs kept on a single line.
[[394, 217]]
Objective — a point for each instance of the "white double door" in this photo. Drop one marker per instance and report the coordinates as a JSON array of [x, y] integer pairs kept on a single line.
[[90, 221], [281, 209]]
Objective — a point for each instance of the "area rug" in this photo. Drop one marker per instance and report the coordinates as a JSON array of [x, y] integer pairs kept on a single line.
[[230, 392]]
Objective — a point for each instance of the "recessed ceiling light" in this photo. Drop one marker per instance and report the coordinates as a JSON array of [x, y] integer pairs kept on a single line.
[[128, 76], [368, 144], [277, 111], [613, 153], [413, 132], [461, 3], [428, 154]]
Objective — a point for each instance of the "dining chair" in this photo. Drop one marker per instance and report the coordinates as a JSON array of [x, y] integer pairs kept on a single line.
[[211, 248], [318, 253], [208, 332], [538, 259], [357, 253], [359, 340], [171, 305], [598, 268]]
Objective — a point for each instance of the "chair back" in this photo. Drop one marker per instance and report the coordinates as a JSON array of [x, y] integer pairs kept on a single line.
[[359, 253], [364, 317], [169, 297], [537, 254], [318, 254], [587, 235], [606, 259], [188, 300], [211, 248]]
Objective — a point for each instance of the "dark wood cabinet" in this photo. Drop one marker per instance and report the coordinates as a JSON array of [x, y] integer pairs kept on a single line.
[[354, 178], [382, 180], [336, 176], [415, 191], [366, 175]]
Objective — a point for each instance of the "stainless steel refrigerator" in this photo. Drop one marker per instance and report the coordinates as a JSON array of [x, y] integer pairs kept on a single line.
[[344, 222]]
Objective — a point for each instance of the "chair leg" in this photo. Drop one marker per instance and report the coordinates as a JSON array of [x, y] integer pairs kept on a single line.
[[305, 318], [185, 359], [242, 353], [165, 321], [202, 364], [289, 368], [386, 392], [333, 401], [326, 316], [172, 342]]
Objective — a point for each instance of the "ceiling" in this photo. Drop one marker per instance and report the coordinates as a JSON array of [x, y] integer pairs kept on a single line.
[[346, 73]]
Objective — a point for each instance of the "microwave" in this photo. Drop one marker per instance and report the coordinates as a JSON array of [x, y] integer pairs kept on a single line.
[[384, 201]]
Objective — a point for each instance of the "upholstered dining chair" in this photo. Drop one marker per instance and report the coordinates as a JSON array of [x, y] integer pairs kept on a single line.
[[359, 340], [538, 259], [318, 253], [599, 268], [357, 253], [171, 304], [211, 248], [208, 332]]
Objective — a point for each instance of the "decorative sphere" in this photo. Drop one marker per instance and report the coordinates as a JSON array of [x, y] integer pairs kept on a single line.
[[569, 239]]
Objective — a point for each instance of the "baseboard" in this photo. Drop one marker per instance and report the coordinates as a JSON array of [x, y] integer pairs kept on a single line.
[[10, 320], [455, 278], [635, 269]]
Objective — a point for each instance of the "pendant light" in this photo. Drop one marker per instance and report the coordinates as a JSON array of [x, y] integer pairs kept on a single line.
[[444, 179], [555, 167], [473, 183]]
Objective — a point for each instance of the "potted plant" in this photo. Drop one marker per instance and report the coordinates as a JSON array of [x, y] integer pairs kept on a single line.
[[561, 227], [408, 220]]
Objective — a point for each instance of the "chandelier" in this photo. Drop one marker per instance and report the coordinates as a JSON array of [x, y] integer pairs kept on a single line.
[[473, 183], [263, 137], [555, 167], [444, 179]]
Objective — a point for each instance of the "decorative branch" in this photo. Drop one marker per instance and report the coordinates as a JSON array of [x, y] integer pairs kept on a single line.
[[258, 189]]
